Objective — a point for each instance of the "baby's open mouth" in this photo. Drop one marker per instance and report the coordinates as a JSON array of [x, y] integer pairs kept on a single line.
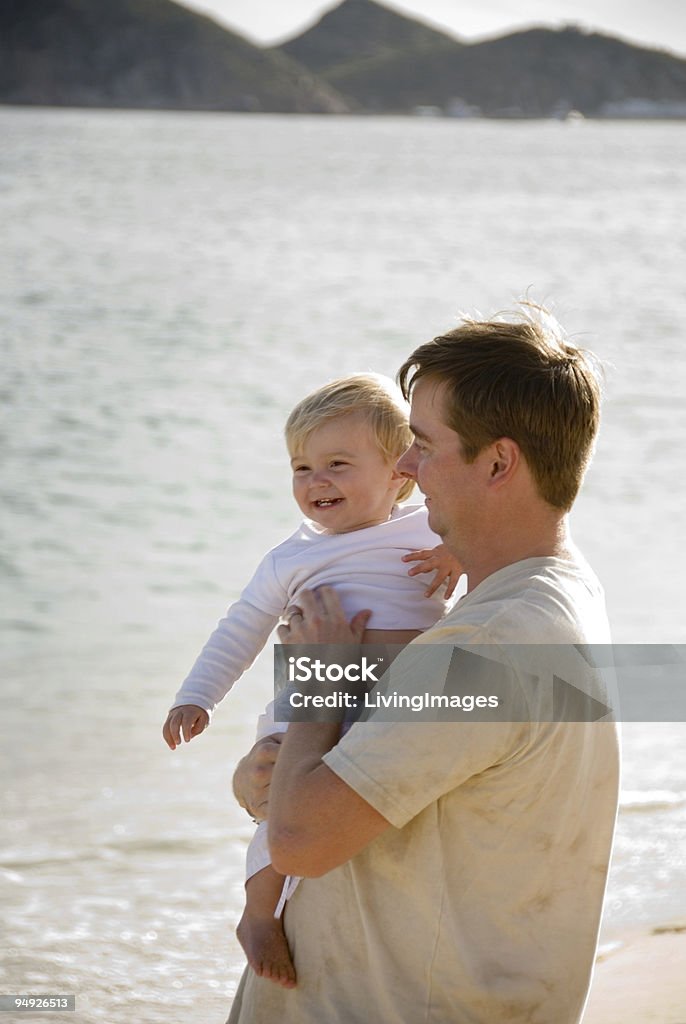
[[327, 502]]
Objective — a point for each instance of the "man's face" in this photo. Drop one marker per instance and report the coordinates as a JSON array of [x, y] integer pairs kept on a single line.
[[435, 460]]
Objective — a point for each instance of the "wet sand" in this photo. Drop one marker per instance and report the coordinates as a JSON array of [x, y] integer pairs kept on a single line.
[[642, 981]]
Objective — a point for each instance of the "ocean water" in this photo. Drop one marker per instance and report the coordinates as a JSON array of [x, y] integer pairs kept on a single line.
[[170, 285]]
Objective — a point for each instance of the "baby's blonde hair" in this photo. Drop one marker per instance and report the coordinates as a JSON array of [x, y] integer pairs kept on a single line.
[[372, 394]]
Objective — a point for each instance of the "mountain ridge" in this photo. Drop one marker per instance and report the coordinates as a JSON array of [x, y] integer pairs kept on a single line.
[[359, 57], [356, 29], [145, 54], [533, 72]]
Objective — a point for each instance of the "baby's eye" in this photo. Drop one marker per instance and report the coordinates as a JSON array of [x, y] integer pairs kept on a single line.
[[337, 462], [300, 469]]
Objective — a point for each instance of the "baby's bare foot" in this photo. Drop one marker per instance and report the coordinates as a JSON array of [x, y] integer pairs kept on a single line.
[[266, 948]]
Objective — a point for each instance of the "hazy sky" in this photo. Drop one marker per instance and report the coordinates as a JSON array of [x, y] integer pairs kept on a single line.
[[660, 23]]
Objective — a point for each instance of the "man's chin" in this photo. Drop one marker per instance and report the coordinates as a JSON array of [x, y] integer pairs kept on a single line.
[[434, 524]]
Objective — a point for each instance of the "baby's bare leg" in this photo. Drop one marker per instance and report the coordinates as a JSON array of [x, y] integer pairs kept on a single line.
[[261, 934]]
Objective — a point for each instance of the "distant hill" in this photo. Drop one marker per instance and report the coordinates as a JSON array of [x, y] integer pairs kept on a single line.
[[360, 57], [384, 62], [144, 53], [361, 29]]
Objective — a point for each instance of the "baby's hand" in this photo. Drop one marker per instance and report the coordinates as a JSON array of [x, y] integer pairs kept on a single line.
[[439, 559], [187, 719]]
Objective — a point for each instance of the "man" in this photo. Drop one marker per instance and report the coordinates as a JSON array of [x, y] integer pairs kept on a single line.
[[455, 871]]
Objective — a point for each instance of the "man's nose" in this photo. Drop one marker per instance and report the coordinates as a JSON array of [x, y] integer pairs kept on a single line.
[[407, 463]]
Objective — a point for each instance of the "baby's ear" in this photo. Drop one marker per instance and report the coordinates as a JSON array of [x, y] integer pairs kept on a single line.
[[404, 485]]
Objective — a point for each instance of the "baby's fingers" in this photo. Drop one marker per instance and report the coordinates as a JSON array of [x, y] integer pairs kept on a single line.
[[433, 587], [192, 724], [200, 724], [417, 570], [427, 564], [418, 556], [453, 580], [170, 730]]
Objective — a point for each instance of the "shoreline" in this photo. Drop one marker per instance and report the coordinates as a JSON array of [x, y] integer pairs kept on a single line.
[[640, 978]]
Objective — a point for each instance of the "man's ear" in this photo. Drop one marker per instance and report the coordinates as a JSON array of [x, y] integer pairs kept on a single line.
[[504, 458]]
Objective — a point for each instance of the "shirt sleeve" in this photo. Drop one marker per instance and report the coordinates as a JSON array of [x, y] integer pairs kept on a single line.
[[237, 640], [231, 649], [401, 766]]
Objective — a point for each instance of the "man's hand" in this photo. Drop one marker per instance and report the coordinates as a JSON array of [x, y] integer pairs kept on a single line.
[[253, 776], [447, 568], [187, 719], [317, 820], [320, 619]]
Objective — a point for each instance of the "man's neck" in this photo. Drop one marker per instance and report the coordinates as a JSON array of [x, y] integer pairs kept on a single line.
[[548, 537]]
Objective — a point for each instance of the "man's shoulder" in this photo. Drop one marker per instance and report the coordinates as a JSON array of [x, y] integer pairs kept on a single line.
[[538, 600]]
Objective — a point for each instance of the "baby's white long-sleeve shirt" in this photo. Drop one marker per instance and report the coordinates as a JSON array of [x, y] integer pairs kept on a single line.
[[363, 566]]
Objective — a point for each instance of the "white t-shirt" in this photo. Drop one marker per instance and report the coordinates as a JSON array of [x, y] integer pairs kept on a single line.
[[482, 904], [366, 570]]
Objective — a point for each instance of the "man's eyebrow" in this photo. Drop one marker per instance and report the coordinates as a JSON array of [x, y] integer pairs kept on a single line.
[[419, 433]]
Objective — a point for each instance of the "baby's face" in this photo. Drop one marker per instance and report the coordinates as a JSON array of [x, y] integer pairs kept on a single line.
[[341, 479]]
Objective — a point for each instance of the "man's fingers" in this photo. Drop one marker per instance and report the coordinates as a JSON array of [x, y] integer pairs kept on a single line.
[[284, 633], [359, 624], [311, 604], [292, 631], [322, 620], [268, 749], [260, 810], [262, 761], [323, 603], [263, 767], [330, 601], [254, 775]]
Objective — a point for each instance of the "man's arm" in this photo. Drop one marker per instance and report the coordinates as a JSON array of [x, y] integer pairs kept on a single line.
[[316, 820]]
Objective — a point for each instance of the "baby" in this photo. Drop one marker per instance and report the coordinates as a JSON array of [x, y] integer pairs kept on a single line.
[[344, 441]]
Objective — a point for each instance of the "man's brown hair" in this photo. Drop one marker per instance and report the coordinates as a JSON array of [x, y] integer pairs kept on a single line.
[[518, 378]]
